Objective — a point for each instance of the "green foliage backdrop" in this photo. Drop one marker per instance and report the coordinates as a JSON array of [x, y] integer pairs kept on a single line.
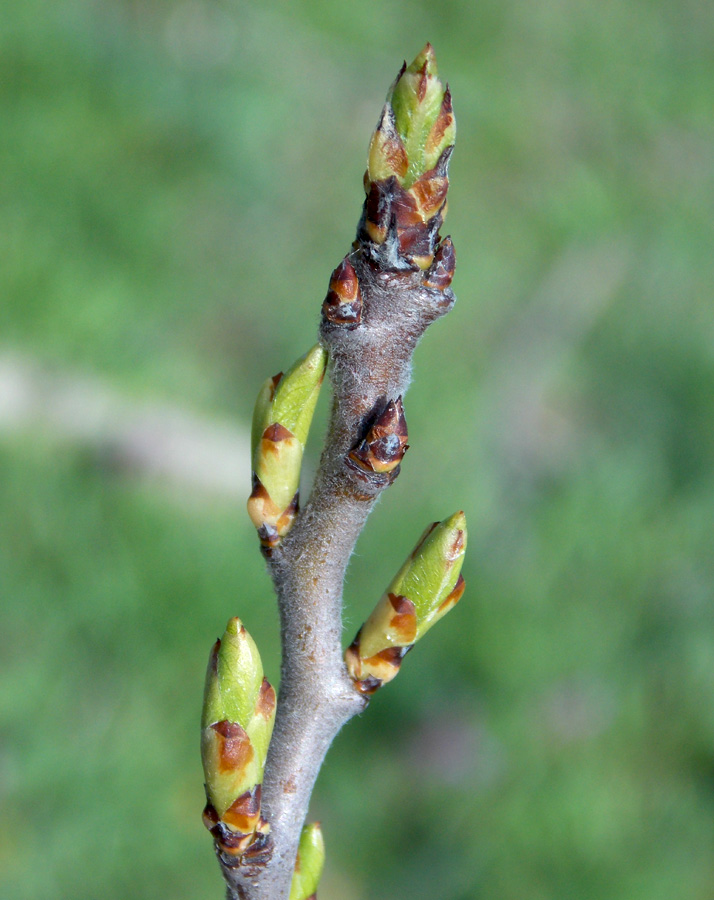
[[177, 181]]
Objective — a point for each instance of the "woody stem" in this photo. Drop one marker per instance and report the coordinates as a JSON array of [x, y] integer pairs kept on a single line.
[[370, 365]]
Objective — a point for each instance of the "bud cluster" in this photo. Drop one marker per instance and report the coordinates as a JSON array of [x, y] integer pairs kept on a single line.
[[406, 181]]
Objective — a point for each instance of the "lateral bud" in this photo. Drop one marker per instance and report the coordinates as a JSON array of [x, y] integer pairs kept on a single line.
[[281, 422], [343, 303], [427, 586], [440, 273], [308, 864], [236, 727], [385, 444]]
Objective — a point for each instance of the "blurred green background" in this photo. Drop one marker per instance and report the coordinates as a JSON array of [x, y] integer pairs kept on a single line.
[[177, 181]]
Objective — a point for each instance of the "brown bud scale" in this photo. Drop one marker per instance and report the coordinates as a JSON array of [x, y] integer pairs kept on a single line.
[[235, 750], [414, 215], [441, 272], [243, 814], [378, 669], [444, 120], [343, 303], [276, 433], [271, 522], [454, 596], [243, 838], [266, 700], [385, 444], [403, 624]]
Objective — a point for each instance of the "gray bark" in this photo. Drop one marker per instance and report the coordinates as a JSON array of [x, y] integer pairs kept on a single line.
[[369, 365]]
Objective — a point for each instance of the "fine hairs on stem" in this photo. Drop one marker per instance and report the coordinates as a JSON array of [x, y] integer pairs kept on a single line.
[[260, 759]]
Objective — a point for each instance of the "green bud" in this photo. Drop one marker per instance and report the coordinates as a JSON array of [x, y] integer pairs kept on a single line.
[[281, 422], [233, 679], [297, 392], [416, 126], [427, 586], [430, 574], [237, 722], [309, 863]]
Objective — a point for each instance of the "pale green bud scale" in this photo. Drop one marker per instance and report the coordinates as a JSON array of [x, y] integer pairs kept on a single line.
[[233, 688], [430, 574], [296, 395], [309, 863]]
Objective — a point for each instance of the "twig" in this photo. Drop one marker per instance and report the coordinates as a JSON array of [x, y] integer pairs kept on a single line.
[[382, 298]]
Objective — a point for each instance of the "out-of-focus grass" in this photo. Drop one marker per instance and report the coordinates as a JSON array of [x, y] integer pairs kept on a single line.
[[177, 181]]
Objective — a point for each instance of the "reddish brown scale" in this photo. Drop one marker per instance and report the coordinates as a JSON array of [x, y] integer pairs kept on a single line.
[[385, 444], [210, 816], [442, 164], [268, 534], [441, 272], [235, 750], [415, 242], [249, 852], [396, 156], [412, 217], [343, 303], [276, 433], [231, 842], [258, 854], [404, 207], [454, 596], [429, 194], [344, 281], [289, 514], [243, 813], [393, 656], [242, 836], [266, 700], [369, 685], [403, 622], [377, 210], [353, 661], [392, 147], [443, 121], [423, 82], [458, 546], [259, 492]]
